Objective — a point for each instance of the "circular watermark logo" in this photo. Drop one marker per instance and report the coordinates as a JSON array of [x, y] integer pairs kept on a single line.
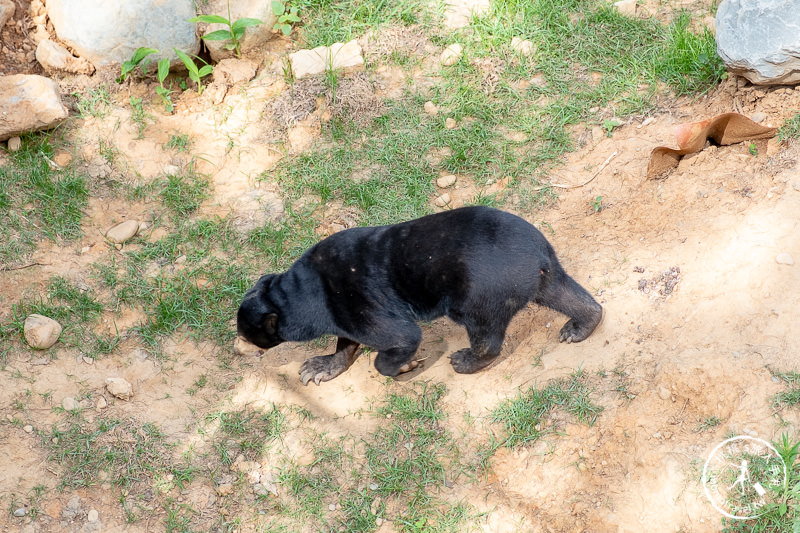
[[742, 475]]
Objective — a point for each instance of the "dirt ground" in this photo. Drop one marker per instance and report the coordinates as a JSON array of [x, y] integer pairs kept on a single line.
[[703, 348]]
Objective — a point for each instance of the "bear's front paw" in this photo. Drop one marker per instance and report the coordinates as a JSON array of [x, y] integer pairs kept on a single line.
[[321, 368], [465, 362]]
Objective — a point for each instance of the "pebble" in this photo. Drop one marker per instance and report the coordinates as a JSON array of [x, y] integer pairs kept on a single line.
[[378, 521], [430, 108], [758, 117], [20, 512], [88, 360], [28, 429], [120, 388], [224, 489], [123, 231], [451, 55], [796, 184], [523, 46], [41, 332], [446, 181], [626, 7], [784, 259], [101, 403], [442, 200], [664, 393], [14, 144], [62, 158], [450, 123], [69, 403], [92, 515], [332, 507], [373, 486]]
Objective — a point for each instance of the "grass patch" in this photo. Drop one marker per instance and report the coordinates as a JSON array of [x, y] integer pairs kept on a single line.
[[790, 129], [529, 416], [791, 396], [246, 432], [37, 202]]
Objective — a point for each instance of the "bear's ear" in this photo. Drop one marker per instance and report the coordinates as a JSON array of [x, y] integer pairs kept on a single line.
[[271, 323]]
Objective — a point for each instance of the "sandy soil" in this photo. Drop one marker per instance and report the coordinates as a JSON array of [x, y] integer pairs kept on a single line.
[[705, 349]]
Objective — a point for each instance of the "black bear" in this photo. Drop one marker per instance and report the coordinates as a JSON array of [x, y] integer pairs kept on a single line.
[[476, 265]]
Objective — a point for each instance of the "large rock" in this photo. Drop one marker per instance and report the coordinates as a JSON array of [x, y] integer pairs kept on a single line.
[[254, 36], [759, 39], [109, 31], [6, 12], [55, 58], [29, 103], [41, 332], [322, 58]]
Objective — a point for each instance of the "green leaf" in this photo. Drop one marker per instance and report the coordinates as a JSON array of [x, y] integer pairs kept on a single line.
[[244, 23], [210, 19], [141, 53], [219, 35], [278, 7], [238, 34], [206, 70], [782, 510], [796, 525], [163, 69], [187, 61], [286, 29]]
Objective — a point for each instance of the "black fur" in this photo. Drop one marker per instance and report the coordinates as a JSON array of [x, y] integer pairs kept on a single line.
[[475, 265]]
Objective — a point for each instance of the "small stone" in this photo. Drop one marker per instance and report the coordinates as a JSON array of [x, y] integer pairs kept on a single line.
[[784, 259], [523, 46], [450, 123], [451, 55], [123, 231], [758, 117], [796, 184], [101, 403], [92, 516], [14, 144], [20, 512], [664, 393], [430, 108], [224, 489], [442, 200], [69, 403], [120, 388], [62, 158], [373, 486], [85, 250], [88, 360], [446, 181], [626, 7], [379, 521], [332, 507], [28, 428], [41, 332]]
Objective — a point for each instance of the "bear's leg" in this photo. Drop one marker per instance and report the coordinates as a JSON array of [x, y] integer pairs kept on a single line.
[[327, 367], [397, 358], [486, 338], [565, 295]]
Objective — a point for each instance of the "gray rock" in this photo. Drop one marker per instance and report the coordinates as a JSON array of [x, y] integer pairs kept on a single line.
[[109, 31], [120, 388], [20, 512], [41, 332], [6, 12], [759, 39], [55, 58], [29, 103], [14, 144], [254, 36]]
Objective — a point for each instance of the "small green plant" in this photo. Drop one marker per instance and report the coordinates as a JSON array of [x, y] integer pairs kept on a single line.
[[609, 126], [707, 423], [179, 142], [138, 115], [790, 129], [286, 16], [164, 92], [195, 74], [138, 56], [234, 33], [752, 149], [597, 204]]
